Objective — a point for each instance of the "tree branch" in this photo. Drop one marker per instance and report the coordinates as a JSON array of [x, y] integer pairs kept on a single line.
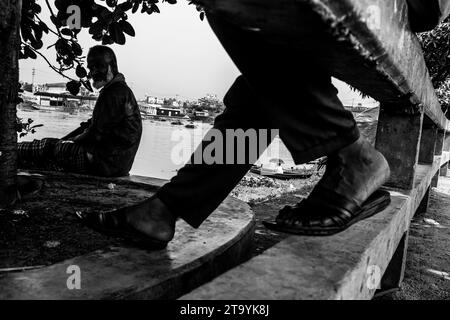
[[48, 62], [46, 24], [53, 15]]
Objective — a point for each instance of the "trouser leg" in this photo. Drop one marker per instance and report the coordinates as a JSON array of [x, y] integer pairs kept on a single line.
[[199, 188], [35, 154], [295, 89], [424, 15], [52, 154], [292, 92], [71, 157]]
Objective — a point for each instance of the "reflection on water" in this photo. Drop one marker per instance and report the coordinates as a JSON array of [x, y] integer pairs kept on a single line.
[[154, 157]]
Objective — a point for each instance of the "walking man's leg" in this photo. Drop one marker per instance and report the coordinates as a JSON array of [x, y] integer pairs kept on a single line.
[[301, 101], [295, 95], [199, 188], [244, 118]]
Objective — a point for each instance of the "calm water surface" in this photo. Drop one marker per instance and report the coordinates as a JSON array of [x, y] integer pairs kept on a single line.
[[155, 154]]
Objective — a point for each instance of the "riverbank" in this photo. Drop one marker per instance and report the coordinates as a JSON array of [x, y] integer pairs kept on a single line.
[[256, 189]]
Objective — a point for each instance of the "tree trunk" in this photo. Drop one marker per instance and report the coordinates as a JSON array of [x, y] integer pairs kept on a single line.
[[10, 14]]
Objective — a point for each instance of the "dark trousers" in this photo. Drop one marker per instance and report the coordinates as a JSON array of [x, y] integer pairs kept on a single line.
[[424, 15], [280, 88], [53, 154]]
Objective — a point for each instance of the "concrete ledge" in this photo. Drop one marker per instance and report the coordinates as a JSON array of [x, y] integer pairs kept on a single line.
[[144, 180], [371, 36], [337, 267], [193, 258]]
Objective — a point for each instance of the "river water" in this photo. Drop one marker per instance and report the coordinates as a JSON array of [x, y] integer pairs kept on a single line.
[[155, 157]]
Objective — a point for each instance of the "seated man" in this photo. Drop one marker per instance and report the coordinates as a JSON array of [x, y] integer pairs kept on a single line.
[[312, 123], [107, 143]]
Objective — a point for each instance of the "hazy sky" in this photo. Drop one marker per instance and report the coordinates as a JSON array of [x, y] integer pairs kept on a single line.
[[173, 53]]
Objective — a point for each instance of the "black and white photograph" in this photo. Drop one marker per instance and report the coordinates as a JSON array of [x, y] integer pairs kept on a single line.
[[225, 155]]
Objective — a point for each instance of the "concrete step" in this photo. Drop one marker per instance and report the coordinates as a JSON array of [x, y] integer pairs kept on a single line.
[[191, 259], [349, 265]]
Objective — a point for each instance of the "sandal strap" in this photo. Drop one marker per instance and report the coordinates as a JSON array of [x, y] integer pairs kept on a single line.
[[323, 208], [323, 197]]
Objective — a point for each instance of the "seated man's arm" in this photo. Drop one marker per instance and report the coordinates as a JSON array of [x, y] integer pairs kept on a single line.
[[109, 114], [81, 129]]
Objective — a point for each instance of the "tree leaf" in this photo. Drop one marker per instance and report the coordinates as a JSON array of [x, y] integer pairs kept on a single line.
[[87, 85], [116, 33], [80, 71], [106, 39], [135, 7], [43, 27], [144, 8], [38, 44], [76, 48], [55, 21], [30, 53], [73, 87], [66, 32], [111, 3], [127, 28], [125, 6], [154, 8]]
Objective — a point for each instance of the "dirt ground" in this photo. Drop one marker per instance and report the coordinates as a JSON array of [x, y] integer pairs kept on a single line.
[[44, 229], [427, 274], [267, 211]]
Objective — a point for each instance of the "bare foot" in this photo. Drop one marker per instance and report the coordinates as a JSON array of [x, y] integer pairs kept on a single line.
[[152, 218], [356, 171]]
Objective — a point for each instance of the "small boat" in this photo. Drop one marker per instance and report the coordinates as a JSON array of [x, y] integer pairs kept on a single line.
[[286, 175], [190, 126], [276, 171], [177, 123], [28, 106]]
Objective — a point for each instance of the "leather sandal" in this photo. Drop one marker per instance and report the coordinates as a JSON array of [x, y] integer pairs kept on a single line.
[[114, 223], [325, 213]]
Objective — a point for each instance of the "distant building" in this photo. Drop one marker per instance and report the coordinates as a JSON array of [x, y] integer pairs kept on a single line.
[[148, 109], [56, 95], [168, 112], [59, 87], [154, 100], [201, 113]]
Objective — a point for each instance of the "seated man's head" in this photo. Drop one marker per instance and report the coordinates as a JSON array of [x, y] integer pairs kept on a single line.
[[102, 65]]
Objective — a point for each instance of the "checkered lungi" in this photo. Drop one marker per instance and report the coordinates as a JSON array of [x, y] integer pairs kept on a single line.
[[53, 154]]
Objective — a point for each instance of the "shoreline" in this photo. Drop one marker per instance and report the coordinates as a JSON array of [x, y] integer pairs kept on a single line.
[[255, 189]]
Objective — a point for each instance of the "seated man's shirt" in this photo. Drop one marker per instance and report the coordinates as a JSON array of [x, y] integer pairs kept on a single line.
[[114, 131]]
